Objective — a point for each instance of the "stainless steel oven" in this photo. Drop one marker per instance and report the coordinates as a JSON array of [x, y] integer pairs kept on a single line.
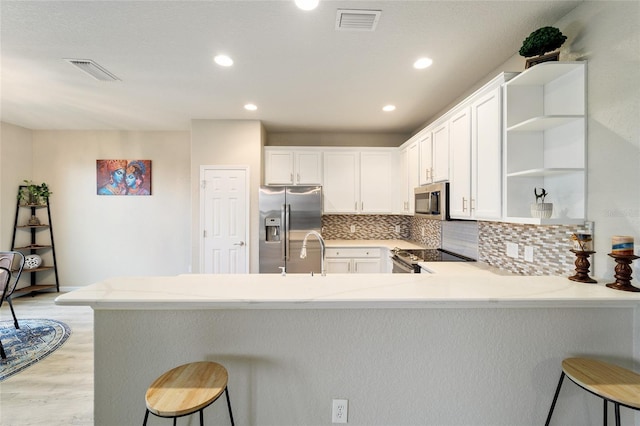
[[408, 261], [432, 201]]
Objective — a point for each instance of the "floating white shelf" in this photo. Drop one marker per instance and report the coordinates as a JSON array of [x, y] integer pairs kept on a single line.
[[545, 172], [537, 124]]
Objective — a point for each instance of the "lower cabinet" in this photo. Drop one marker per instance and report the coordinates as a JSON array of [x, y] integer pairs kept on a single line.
[[354, 261]]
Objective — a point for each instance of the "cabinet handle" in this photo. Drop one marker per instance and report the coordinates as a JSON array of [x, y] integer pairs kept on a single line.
[[291, 177], [427, 174], [431, 170], [298, 175], [472, 206], [349, 267], [355, 206], [362, 206], [464, 204]]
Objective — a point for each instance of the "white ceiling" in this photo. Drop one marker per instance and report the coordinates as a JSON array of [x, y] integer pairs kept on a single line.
[[303, 74]]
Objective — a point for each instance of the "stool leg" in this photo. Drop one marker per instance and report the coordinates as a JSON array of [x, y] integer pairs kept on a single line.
[[604, 410], [146, 416], [226, 392], [555, 398], [617, 408], [201, 417]]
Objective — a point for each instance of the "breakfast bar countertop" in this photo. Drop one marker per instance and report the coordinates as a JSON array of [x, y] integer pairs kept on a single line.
[[465, 285]]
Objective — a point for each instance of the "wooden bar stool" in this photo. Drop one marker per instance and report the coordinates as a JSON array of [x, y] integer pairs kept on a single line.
[[186, 389], [608, 381]]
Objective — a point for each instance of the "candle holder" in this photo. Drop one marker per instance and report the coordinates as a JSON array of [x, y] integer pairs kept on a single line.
[[582, 267], [623, 272]]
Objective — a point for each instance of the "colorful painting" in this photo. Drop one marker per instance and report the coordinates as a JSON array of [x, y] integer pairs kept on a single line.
[[123, 177]]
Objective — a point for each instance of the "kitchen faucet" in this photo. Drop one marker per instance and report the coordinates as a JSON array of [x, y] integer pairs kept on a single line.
[[303, 252]]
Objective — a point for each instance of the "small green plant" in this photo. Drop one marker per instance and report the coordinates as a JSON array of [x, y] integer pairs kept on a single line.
[[34, 194], [540, 197], [541, 41]]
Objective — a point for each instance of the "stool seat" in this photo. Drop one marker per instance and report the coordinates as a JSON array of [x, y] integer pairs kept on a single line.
[[606, 380], [187, 389]]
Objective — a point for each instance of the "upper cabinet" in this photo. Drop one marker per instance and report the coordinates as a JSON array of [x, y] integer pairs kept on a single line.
[[284, 166], [545, 147], [359, 181], [475, 137]]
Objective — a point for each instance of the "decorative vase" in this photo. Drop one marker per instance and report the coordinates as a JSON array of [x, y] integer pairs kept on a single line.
[[555, 56], [541, 210], [32, 261]]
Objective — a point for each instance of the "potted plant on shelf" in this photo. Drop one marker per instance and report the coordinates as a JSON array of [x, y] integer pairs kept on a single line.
[[540, 209], [34, 194], [541, 41]]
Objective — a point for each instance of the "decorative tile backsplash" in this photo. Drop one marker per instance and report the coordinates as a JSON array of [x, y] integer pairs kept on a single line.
[[551, 244], [366, 227]]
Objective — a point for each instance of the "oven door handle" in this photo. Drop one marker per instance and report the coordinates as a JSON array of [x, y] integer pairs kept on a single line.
[[401, 268]]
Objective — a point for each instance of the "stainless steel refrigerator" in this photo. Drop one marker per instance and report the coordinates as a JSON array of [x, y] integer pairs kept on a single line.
[[287, 214]]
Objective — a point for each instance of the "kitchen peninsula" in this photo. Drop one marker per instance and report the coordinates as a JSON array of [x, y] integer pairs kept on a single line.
[[473, 347]]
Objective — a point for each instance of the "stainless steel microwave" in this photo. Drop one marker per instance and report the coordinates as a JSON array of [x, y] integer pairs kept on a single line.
[[432, 201]]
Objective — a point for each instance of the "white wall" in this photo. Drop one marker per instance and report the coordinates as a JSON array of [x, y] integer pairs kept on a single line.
[[97, 237], [15, 166], [226, 142]]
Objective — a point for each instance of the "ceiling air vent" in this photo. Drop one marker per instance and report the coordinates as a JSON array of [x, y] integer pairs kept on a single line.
[[357, 20], [93, 69]]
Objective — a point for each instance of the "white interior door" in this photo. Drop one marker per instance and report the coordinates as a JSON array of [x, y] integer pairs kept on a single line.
[[224, 209]]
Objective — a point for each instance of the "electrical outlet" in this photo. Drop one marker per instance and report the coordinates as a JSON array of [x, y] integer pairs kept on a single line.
[[528, 254], [512, 250], [398, 229], [339, 411], [353, 229], [423, 232]]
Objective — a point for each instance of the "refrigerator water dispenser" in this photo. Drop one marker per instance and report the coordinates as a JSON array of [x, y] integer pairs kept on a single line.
[[272, 225]]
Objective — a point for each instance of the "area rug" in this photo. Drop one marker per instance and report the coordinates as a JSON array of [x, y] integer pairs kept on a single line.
[[36, 339]]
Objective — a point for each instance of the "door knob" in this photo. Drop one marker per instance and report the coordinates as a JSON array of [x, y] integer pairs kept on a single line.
[[241, 243]]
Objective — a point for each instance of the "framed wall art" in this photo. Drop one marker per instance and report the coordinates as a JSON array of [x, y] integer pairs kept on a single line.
[[123, 177]]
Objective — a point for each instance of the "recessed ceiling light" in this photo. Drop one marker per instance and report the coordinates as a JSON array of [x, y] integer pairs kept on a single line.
[[388, 108], [422, 63], [250, 107], [223, 60], [307, 4]]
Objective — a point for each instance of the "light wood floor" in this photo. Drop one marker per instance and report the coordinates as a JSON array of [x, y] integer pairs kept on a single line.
[[57, 391]]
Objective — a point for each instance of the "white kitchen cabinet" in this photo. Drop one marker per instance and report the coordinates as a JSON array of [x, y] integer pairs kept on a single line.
[[545, 142], [403, 190], [460, 144], [292, 167], [353, 260], [409, 174], [486, 155], [340, 191], [475, 136], [359, 181], [440, 137], [425, 141]]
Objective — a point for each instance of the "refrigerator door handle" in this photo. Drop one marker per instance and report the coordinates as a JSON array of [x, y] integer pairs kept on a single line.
[[284, 233], [287, 230]]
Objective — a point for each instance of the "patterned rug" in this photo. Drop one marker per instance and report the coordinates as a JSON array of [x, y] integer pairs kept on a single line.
[[35, 339]]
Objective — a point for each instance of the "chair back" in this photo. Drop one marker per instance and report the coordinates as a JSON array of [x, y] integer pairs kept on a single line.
[[14, 262], [5, 279]]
